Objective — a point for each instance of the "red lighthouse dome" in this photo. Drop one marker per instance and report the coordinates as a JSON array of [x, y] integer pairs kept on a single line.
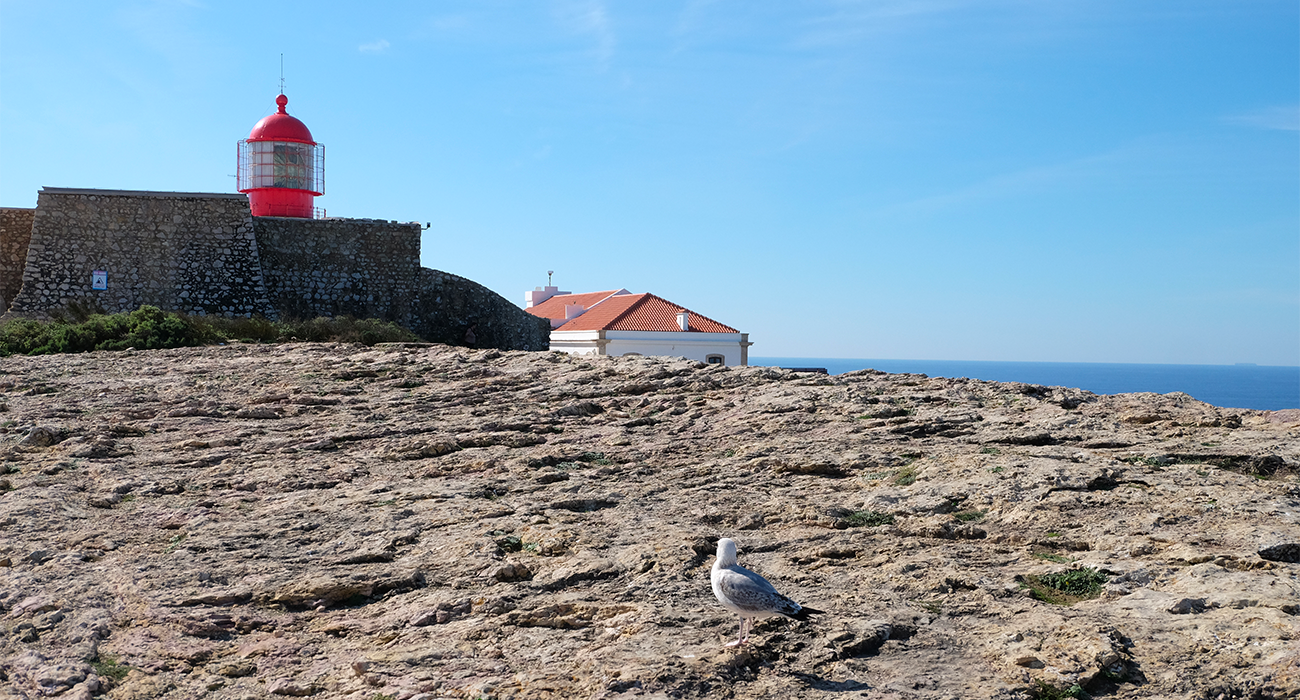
[[281, 169]]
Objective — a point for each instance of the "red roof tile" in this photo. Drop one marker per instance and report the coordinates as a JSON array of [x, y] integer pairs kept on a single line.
[[640, 312], [554, 307]]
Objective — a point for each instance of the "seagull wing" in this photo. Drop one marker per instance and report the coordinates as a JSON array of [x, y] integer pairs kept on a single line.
[[751, 594]]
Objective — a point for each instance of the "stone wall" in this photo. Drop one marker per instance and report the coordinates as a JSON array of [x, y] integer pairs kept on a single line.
[[15, 234], [449, 305], [340, 267], [188, 252], [206, 254]]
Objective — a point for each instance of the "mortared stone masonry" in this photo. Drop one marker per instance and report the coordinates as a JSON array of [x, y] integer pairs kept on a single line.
[[201, 253]]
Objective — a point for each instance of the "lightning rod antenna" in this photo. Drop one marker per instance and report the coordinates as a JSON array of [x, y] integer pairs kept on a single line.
[[281, 74]]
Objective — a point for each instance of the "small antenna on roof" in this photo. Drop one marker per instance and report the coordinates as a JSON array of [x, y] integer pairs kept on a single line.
[[548, 277], [281, 74]]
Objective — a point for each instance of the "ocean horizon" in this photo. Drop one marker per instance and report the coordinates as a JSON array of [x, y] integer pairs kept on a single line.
[[1260, 387]]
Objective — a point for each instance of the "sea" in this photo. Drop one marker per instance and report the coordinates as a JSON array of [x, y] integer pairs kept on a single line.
[[1261, 387]]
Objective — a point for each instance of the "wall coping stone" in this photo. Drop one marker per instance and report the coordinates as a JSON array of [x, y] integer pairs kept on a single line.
[[142, 193]]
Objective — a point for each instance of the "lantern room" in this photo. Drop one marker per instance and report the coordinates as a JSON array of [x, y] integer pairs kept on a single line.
[[281, 169]]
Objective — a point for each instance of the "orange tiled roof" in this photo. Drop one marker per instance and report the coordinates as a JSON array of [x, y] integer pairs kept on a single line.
[[640, 312], [554, 307]]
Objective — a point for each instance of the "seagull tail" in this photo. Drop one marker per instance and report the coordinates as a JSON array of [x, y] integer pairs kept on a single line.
[[804, 612]]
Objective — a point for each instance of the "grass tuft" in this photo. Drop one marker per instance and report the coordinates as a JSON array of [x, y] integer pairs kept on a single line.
[[1052, 557], [868, 518], [108, 667], [1046, 691]]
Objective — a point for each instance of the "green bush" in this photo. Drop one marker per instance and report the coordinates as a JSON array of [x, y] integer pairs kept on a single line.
[[150, 328], [346, 329], [249, 330], [22, 337]]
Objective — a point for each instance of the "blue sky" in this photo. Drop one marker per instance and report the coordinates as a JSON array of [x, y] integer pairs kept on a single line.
[[1092, 181]]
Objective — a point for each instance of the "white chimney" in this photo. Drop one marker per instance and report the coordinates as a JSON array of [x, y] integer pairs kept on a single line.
[[539, 295], [572, 311], [684, 320]]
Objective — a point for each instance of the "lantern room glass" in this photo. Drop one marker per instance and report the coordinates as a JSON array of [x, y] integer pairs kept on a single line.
[[284, 164]]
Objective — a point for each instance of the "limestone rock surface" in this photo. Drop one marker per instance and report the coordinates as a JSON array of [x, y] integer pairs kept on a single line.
[[420, 521]]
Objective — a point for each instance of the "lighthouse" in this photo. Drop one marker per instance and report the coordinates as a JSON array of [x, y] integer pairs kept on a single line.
[[281, 169]]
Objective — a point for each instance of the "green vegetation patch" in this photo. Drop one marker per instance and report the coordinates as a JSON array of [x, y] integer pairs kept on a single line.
[[1046, 691], [1144, 461], [109, 667], [586, 458], [905, 476], [145, 328], [970, 516], [79, 329], [1052, 557], [510, 543], [1067, 587], [868, 518]]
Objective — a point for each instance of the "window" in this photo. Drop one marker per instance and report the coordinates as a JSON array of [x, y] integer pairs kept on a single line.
[[715, 359]]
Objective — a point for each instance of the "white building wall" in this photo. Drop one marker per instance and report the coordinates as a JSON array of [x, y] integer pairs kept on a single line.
[[693, 346], [540, 294], [578, 342]]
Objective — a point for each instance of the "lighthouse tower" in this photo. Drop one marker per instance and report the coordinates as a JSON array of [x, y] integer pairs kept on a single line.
[[281, 169]]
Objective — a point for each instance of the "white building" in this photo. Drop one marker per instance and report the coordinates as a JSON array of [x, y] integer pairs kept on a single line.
[[621, 323]]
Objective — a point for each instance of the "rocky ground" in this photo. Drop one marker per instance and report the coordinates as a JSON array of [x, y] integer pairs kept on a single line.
[[431, 522]]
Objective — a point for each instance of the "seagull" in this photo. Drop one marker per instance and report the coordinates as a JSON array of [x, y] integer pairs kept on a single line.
[[749, 595]]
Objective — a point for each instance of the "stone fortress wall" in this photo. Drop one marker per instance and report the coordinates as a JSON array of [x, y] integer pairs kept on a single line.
[[448, 304], [203, 253], [15, 234], [188, 252], [334, 267]]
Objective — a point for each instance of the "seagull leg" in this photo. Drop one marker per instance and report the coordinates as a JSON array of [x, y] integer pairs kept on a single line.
[[741, 639]]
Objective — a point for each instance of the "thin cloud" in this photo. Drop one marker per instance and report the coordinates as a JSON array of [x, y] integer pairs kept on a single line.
[[1283, 118], [589, 17], [374, 46], [444, 23], [851, 20], [691, 18], [1019, 182], [694, 23]]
